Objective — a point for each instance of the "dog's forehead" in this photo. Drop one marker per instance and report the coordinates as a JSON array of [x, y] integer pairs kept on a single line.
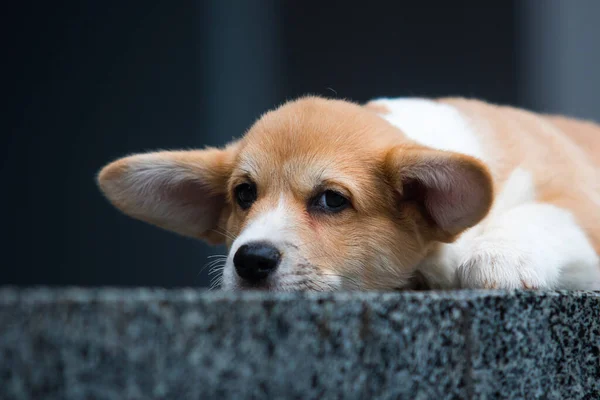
[[312, 142], [317, 132], [302, 169]]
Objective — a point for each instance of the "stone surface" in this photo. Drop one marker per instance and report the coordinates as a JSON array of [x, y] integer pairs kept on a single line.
[[188, 344]]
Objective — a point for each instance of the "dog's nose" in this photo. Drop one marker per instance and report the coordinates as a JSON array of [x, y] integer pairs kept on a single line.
[[255, 261]]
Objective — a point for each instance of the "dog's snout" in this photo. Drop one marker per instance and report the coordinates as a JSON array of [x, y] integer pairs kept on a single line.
[[255, 261]]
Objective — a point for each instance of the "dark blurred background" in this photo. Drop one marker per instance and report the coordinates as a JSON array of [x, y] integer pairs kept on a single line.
[[87, 82]]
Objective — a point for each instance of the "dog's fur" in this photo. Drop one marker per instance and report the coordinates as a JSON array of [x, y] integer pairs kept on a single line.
[[449, 193]]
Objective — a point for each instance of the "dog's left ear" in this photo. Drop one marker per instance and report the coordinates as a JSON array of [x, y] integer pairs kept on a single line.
[[453, 191], [181, 191]]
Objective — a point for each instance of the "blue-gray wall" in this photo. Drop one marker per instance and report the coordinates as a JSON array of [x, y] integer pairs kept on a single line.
[[561, 56]]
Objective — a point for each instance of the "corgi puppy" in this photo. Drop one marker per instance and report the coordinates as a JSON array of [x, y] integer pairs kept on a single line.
[[406, 193]]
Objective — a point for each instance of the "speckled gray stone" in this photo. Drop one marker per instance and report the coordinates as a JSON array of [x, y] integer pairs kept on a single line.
[[188, 344]]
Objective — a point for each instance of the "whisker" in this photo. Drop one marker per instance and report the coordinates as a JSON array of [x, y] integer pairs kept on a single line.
[[208, 265], [225, 232], [216, 269], [211, 263], [215, 282]]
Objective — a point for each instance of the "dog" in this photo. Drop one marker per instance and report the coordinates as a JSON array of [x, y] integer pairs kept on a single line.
[[407, 193]]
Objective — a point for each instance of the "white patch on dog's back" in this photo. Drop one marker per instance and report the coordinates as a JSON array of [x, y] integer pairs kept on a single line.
[[436, 125]]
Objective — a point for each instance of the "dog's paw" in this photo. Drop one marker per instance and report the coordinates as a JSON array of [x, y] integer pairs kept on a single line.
[[498, 266]]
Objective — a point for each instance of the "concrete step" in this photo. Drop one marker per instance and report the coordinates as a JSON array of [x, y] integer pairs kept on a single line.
[[191, 344]]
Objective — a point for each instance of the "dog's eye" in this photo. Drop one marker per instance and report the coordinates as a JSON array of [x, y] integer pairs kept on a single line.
[[331, 201], [245, 194]]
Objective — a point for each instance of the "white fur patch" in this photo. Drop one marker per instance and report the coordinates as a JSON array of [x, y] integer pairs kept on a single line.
[[533, 246], [270, 227], [518, 189], [436, 125], [273, 226]]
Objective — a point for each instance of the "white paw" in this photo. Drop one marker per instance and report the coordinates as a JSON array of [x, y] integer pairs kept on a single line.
[[499, 266]]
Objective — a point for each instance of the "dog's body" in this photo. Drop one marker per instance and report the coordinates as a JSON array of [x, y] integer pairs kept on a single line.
[[326, 194], [544, 227]]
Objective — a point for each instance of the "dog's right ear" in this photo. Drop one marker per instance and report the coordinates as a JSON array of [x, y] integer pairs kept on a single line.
[[453, 191], [181, 191]]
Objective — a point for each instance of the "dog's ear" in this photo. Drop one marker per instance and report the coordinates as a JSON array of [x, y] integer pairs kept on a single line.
[[181, 191], [452, 191]]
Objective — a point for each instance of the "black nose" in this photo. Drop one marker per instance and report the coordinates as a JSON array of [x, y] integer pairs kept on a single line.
[[255, 261]]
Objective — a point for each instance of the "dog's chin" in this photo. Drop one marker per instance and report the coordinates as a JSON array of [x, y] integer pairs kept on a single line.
[[272, 286], [286, 280], [259, 286]]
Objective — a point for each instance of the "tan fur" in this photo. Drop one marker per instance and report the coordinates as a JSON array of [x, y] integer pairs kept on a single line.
[[213, 165], [563, 154], [296, 152], [314, 143]]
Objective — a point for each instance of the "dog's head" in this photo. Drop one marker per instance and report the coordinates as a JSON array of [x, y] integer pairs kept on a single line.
[[318, 195]]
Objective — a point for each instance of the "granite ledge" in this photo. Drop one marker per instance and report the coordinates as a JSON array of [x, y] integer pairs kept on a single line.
[[70, 343]]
